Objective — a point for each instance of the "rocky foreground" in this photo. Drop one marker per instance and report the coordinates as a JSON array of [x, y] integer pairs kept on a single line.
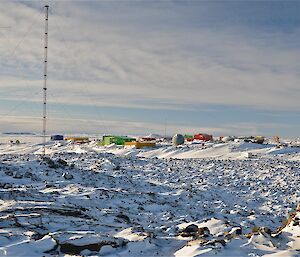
[[105, 205]]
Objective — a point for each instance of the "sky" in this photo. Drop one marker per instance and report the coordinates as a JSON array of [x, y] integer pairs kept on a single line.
[[164, 67]]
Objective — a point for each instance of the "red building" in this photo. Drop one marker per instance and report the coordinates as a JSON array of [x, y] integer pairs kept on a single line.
[[147, 139], [203, 137]]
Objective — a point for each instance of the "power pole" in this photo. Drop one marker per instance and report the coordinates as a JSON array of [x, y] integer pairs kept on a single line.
[[165, 128], [45, 81]]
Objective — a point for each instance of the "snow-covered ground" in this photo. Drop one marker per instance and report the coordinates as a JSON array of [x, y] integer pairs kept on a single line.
[[165, 201]]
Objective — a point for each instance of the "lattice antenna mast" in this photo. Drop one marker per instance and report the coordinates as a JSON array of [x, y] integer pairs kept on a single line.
[[45, 80]]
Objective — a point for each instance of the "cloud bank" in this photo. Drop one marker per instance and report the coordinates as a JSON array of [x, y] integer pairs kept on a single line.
[[154, 55]]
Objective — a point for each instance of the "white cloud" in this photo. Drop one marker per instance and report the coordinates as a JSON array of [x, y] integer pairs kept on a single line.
[[144, 58], [76, 125]]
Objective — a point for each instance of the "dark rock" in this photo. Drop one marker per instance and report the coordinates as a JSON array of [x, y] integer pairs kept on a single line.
[[266, 230], [204, 231], [191, 229], [124, 217], [51, 164], [118, 167], [221, 241], [216, 241], [62, 162], [70, 248], [9, 172], [238, 231], [194, 231]]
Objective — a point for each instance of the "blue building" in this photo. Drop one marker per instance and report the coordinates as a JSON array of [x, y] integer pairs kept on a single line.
[[57, 137]]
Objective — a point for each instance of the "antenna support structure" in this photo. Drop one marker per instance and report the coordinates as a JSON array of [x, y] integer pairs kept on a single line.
[[45, 80]]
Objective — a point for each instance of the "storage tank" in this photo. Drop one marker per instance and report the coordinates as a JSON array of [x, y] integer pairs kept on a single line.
[[259, 139], [178, 139]]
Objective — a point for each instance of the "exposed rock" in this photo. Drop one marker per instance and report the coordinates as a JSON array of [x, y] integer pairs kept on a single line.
[[194, 231], [191, 229], [266, 230], [72, 248], [204, 231], [62, 162], [216, 241], [123, 217], [50, 162]]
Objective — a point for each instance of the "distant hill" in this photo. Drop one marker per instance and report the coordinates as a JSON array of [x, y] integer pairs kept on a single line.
[[18, 133]]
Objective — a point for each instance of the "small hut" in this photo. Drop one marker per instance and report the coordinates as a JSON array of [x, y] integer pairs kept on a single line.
[[79, 140], [57, 137], [140, 145], [203, 137], [118, 140]]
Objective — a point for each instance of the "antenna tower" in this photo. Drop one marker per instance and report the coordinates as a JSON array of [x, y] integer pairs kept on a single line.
[[45, 81]]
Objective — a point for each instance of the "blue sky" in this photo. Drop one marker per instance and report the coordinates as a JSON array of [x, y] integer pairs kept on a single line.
[[139, 67]]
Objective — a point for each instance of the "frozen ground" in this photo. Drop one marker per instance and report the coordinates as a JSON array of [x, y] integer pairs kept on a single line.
[[168, 201]]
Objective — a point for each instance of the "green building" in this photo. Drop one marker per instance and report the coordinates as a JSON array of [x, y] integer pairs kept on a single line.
[[118, 140]]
